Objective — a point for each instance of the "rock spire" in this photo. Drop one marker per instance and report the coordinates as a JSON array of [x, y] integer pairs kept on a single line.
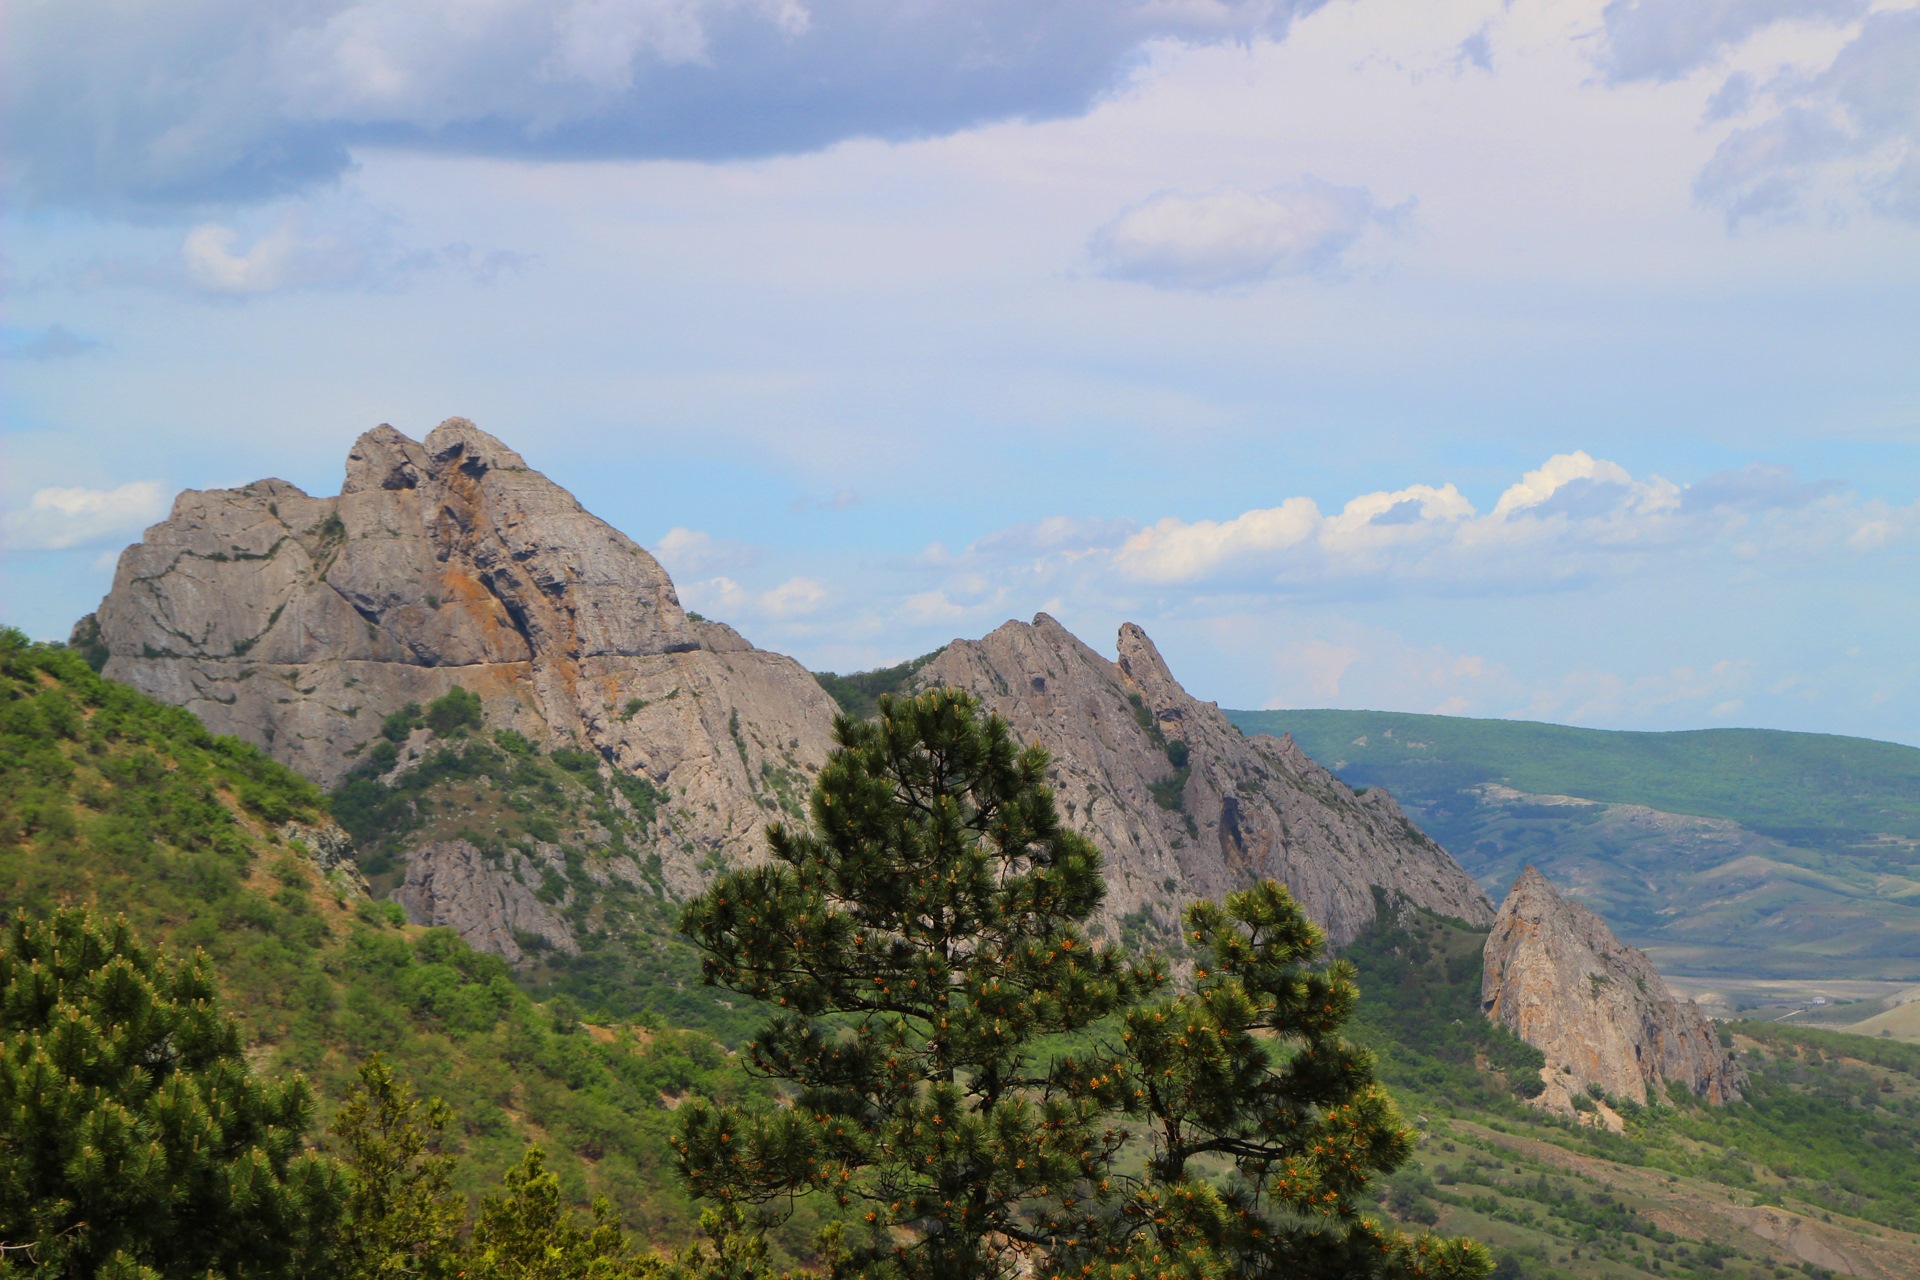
[[1558, 978]]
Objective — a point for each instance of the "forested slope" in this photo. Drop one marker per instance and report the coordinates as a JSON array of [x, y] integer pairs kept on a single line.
[[110, 799]]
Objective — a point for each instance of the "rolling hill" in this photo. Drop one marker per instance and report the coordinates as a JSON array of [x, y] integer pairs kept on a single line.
[[1727, 853]]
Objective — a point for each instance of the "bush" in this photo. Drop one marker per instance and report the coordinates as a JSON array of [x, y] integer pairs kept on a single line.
[[454, 713]]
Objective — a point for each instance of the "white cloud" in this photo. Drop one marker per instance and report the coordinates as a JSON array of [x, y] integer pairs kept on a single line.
[[1175, 550], [1538, 486], [693, 552], [1595, 696], [336, 244], [727, 600], [1840, 135], [1574, 518], [55, 519], [216, 262], [1233, 237], [794, 598]]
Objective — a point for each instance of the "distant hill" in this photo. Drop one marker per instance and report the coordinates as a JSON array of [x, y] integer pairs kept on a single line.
[[1800, 786], [1744, 852]]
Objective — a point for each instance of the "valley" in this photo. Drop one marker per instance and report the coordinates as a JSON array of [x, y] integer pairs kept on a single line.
[[1766, 870]]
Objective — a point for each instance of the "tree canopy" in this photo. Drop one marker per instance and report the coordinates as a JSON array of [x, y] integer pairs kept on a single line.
[[942, 1019], [134, 1140]]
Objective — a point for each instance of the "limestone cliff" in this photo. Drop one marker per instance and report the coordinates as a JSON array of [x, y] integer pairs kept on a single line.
[[1184, 805], [1555, 974], [298, 622]]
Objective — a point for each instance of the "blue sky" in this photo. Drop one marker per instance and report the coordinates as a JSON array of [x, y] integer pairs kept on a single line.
[[1557, 360]]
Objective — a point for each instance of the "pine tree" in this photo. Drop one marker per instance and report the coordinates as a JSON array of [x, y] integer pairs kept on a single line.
[[134, 1140], [1249, 1067], [918, 941], [528, 1232], [402, 1217]]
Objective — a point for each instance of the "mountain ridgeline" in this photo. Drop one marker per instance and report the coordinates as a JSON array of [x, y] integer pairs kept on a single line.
[[328, 630]]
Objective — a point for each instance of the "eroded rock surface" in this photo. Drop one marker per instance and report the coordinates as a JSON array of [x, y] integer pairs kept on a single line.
[[298, 622], [1184, 805], [1558, 978], [493, 905]]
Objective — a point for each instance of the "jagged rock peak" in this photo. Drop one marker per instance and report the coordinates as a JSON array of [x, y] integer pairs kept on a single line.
[[458, 440], [298, 622], [1185, 806], [384, 459], [1558, 978]]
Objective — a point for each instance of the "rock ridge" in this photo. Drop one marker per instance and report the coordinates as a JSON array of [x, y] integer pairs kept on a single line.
[[299, 623], [1184, 805]]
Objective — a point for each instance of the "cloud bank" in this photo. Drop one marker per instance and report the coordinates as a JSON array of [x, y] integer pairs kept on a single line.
[[1573, 520], [128, 103]]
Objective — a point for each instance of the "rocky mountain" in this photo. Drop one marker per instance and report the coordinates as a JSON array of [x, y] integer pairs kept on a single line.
[[298, 623], [317, 627], [1557, 977], [1185, 805]]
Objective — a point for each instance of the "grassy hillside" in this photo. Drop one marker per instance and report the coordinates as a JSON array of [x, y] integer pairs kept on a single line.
[[1797, 786], [111, 799], [1818, 1171], [1741, 854]]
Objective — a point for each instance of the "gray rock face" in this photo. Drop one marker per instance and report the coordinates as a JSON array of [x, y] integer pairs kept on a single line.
[[450, 884], [1237, 810], [298, 622], [1558, 978]]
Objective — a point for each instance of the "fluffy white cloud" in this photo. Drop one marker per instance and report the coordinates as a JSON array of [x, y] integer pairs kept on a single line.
[[115, 103], [217, 262], [1234, 237], [55, 519], [1573, 518], [1180, 551]]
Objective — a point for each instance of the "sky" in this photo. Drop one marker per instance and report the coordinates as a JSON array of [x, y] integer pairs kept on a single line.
[[1556, 360]]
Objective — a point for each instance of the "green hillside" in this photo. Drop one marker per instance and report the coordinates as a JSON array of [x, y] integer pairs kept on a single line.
[[112, 800], [1798, 786], [1744, 856]]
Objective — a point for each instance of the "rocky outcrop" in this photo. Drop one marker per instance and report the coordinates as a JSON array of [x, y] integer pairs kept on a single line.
[[332, 852], [1558, 978], [451, 884], [1184, 805], [297, 622]]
